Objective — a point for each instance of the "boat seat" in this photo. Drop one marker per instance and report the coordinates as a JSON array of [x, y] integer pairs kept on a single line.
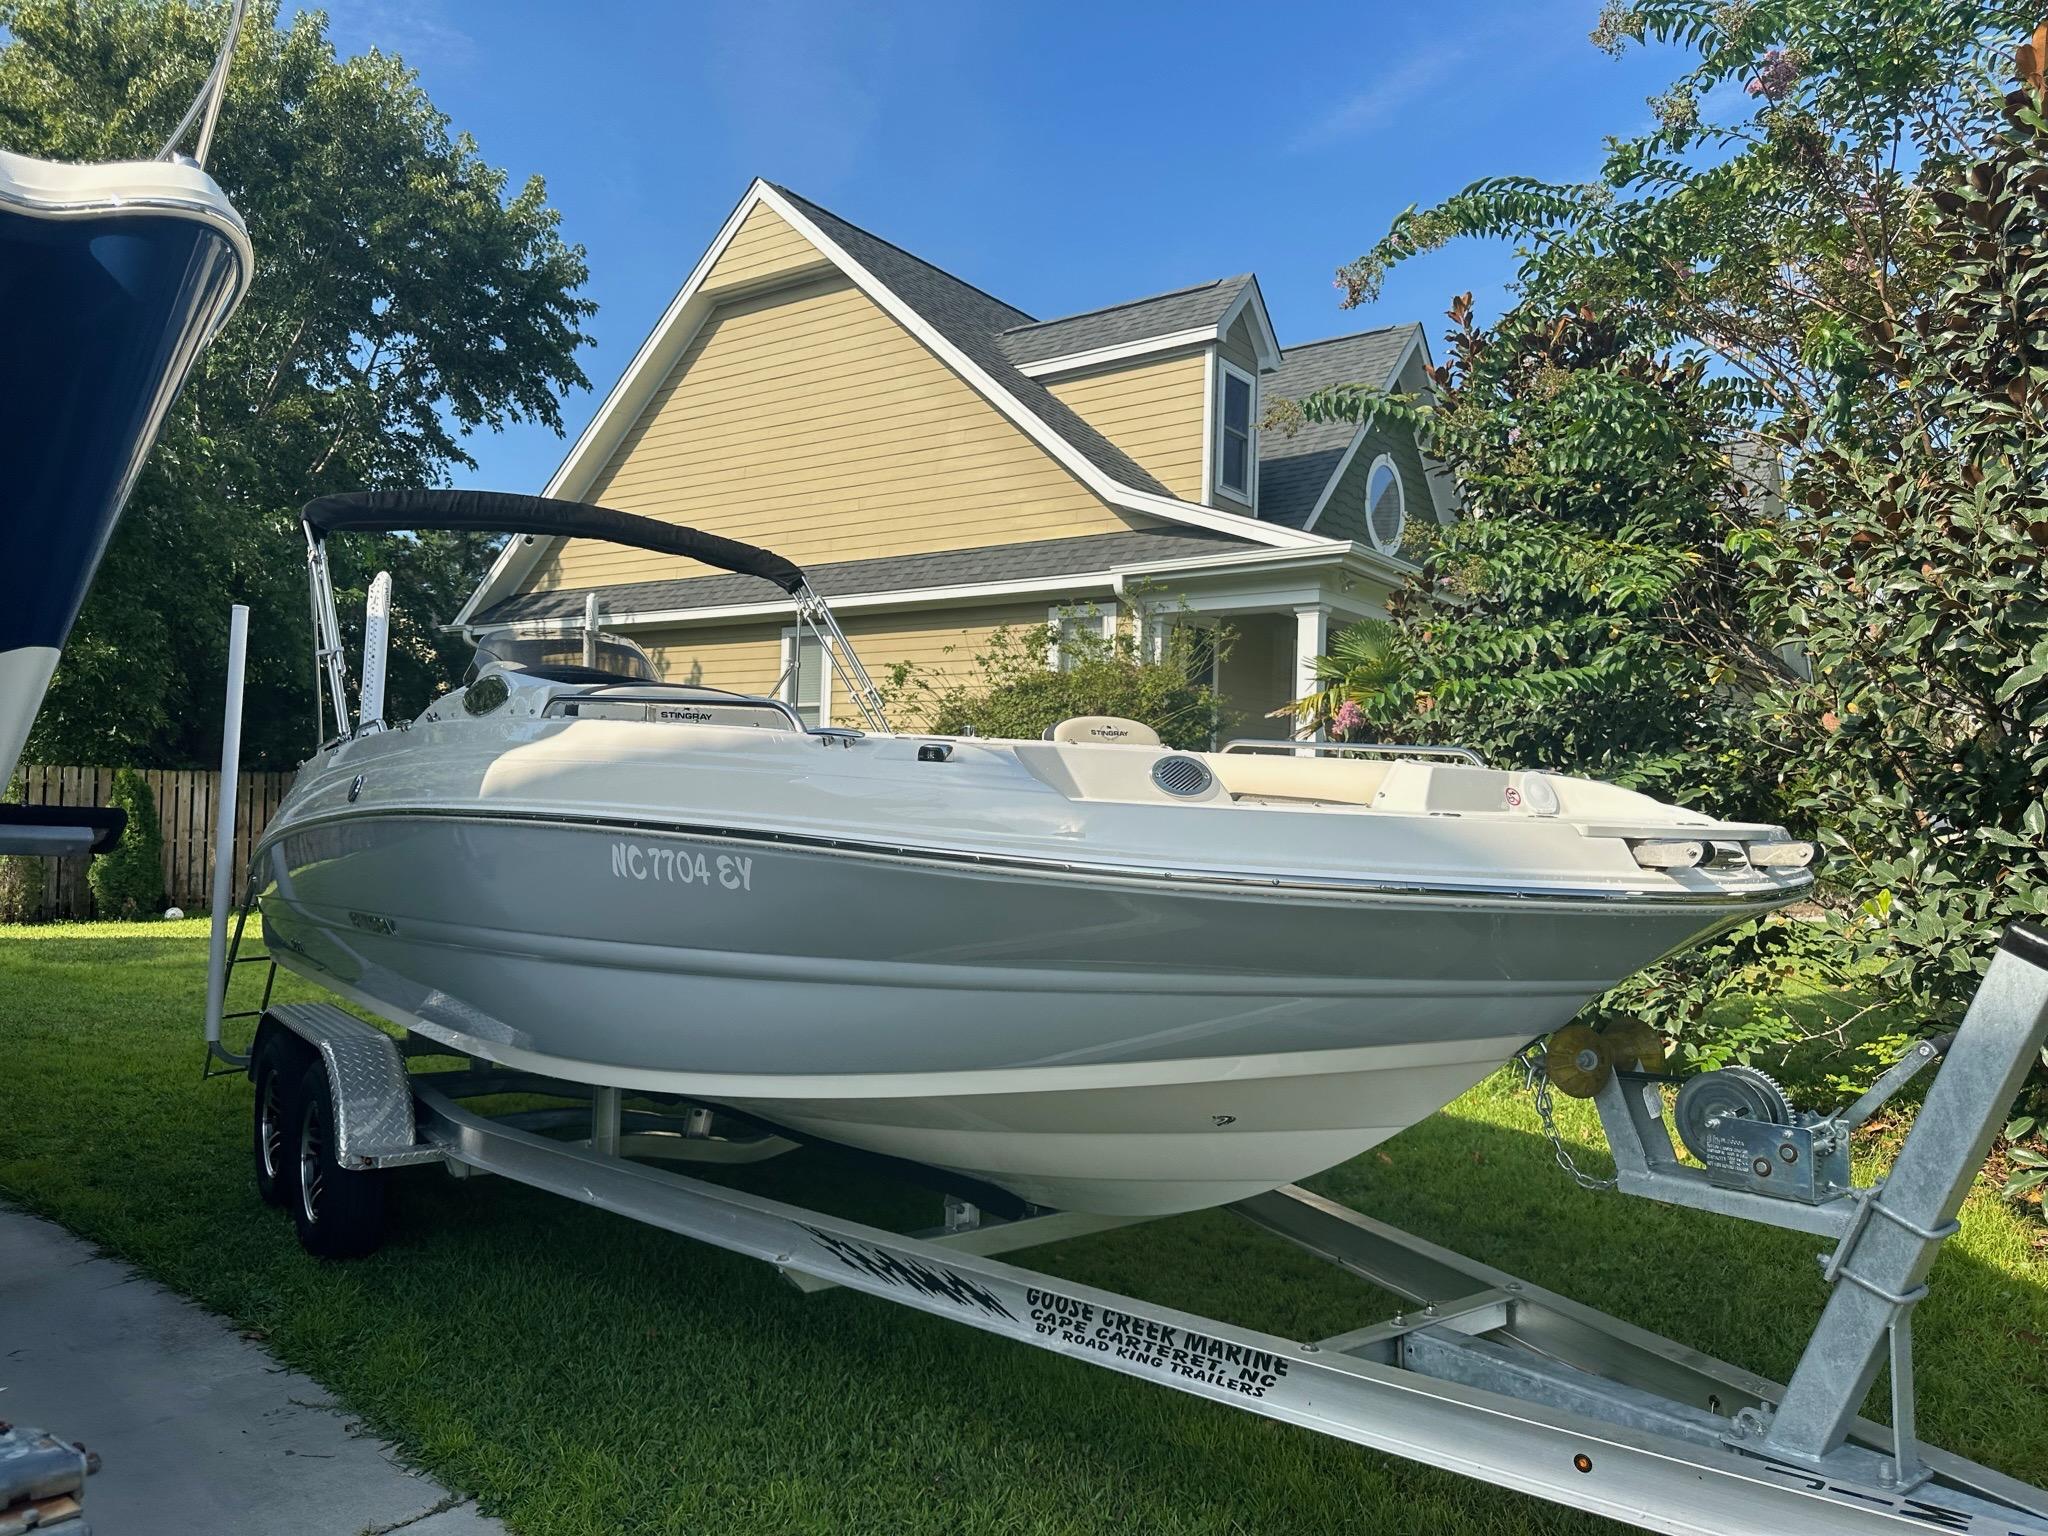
[[1107, 730], [1271, 776]]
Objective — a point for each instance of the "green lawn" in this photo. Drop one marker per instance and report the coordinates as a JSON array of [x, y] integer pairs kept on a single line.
[[581, 1374]]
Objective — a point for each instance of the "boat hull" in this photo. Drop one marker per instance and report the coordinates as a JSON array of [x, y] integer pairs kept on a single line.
[[113, 279], [1126, 1045]]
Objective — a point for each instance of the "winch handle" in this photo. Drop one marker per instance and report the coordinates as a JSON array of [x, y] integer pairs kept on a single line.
[[1919, 1056]]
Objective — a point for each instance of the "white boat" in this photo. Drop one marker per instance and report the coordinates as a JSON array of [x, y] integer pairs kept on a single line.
[[1096, 972], [113, 279]]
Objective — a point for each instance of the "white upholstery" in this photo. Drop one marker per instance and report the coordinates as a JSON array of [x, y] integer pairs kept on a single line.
[[1340, 781], [1110, 730]]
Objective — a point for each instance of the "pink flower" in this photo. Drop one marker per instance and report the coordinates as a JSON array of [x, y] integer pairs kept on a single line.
[[1349, 717], [1776, 73]]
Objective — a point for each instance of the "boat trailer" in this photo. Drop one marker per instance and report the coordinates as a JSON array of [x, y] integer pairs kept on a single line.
[[1479, 1372]]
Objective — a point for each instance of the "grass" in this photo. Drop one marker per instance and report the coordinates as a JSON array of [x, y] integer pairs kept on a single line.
[[581, 1374]]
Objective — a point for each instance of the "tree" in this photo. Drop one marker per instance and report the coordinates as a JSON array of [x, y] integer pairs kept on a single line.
[[1919, 583], [1832, 238], [1020, 688], [1587, 611], [129, 882], [404, 297]]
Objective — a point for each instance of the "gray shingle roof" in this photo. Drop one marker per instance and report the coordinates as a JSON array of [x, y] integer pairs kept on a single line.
[[975, 322], [1162, 314], [1079, 556], [1294, 468]]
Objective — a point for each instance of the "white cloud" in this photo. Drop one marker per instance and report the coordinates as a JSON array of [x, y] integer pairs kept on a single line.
[[1400, 86], [418, 31]]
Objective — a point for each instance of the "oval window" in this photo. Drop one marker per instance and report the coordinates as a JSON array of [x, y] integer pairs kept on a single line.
[[1386, 508]]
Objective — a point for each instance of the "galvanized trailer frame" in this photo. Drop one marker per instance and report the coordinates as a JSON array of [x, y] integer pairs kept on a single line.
[[1481, 1373]]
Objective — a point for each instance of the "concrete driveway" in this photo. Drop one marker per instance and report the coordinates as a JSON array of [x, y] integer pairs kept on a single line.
[[198, 1429]]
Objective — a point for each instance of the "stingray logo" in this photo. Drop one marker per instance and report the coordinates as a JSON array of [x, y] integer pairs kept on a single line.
[[369, 922], [687, 716], [912, 1275], [1108, 732], [1222, 1120]]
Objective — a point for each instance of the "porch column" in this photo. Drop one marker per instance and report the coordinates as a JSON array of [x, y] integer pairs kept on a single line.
[[1311, 639]]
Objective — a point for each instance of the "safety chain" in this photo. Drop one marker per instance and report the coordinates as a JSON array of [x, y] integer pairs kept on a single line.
[[1539, 1088]]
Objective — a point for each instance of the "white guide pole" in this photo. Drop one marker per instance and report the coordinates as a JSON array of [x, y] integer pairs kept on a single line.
[[590, 629], [224, 826], [376, 650]]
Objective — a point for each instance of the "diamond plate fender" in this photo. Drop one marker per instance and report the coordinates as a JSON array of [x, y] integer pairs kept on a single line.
[[373, 1124]]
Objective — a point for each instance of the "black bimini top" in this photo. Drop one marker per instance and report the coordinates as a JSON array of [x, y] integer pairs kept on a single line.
[[503, 512]]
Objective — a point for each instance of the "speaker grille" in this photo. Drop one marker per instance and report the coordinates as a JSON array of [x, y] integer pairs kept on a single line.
[[1184, 776]]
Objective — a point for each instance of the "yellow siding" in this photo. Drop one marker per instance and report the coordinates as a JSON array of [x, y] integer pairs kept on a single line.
[[763, 249], [808, 420], [940, 646], [746, 658], [1152, 410]]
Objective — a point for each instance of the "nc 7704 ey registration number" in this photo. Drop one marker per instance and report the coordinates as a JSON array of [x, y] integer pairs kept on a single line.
[[666, 864]]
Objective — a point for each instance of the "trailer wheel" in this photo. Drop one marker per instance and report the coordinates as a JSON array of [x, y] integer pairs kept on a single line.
[[339, 1212], [275, 1073]]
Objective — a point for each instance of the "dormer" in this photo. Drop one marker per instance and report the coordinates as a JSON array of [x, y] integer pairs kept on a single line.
[[1173, 380]]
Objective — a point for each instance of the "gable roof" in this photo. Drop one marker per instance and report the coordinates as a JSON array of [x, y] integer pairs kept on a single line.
[[958, 322], [974, 322], [1199, 312], [1295, 468], [992, 565]]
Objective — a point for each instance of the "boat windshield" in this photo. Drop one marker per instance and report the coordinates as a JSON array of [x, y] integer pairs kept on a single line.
[[561, 658]]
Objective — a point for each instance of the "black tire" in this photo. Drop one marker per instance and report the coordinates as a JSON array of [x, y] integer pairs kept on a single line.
[[275, 1073], [339, 1212]]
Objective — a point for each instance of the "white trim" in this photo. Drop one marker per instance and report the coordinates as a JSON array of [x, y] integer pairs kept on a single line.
[[908, 598], [685, 315], [1265, 345], [1400, 490], [1208, 418], [1096, 357], [1337, 478], [1358, 558], [1112, 491], [1250, 494], [1105, 618], [615, 412], [1311, 639], [793, 637]]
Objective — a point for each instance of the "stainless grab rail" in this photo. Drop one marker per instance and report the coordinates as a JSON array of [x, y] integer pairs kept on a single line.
[[1335, 748], [211, 93]]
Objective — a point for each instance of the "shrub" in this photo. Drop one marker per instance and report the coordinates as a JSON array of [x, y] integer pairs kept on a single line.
[[1026, 681], [21, 879], [129, 882]]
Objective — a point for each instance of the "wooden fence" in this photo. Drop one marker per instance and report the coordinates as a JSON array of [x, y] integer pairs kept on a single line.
[[185, 805]]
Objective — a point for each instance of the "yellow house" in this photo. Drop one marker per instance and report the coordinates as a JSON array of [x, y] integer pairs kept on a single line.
[[943, 464]]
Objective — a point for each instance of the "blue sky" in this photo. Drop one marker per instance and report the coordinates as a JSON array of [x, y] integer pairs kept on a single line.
[[1060, 156]]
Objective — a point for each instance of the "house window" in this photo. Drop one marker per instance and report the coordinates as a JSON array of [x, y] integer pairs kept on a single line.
[[1236, 444], [1078, 624], [806, 677], [1386, 505]]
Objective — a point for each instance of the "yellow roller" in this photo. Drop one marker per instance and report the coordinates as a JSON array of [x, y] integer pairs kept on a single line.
[[1578, 1062], [1632, 1043]]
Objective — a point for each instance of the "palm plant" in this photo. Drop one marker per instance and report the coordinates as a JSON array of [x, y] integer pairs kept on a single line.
[[1355, 679]]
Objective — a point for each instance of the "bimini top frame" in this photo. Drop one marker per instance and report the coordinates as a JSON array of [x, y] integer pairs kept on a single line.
[[546, 517]]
